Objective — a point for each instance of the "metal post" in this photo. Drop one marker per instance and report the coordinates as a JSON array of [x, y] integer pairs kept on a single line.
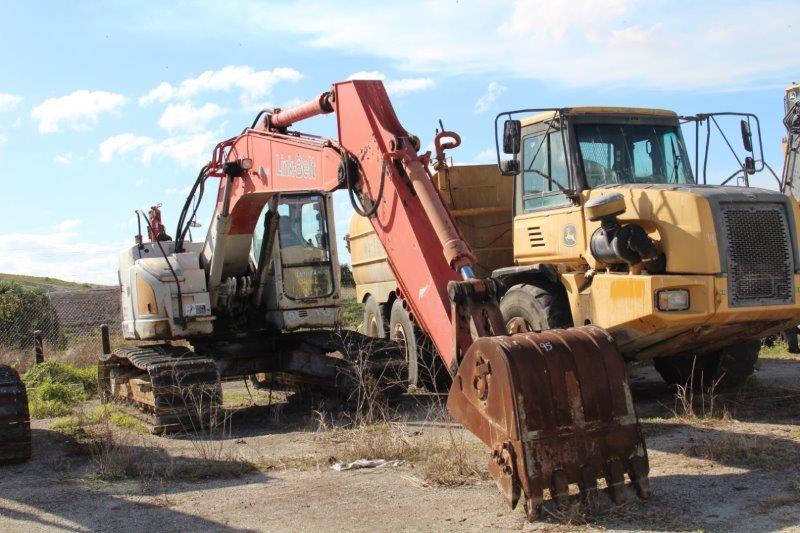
[[106, 341], [38, 347]]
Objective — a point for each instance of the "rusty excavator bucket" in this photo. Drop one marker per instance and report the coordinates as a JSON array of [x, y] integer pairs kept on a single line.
[[555, 409]]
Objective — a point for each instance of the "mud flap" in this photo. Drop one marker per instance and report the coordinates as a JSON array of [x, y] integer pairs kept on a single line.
[[555, 409]]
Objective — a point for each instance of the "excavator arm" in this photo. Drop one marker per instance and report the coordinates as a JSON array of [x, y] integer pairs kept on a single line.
[[554, 407]]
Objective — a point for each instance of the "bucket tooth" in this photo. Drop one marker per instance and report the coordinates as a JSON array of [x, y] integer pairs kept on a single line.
[[561, 489], [615, 478], [556, 406], [588, 486], [638, 475], [533, 506]]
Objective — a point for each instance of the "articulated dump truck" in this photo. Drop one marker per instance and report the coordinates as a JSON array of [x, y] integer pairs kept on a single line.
[[600, 220]]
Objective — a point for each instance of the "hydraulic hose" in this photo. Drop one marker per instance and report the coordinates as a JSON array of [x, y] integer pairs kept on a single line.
[[352, 191], [183, 224]]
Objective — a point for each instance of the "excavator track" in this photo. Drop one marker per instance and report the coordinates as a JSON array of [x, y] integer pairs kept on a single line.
[[15, 425], [180, 390]]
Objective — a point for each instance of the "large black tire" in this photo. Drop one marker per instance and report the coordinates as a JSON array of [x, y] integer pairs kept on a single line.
[[404, 332], [15, 426], [374, 323], [541, 304], [727, 368]]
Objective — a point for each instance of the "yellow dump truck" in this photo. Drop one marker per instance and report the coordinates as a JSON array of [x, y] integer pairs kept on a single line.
[[598, 218]]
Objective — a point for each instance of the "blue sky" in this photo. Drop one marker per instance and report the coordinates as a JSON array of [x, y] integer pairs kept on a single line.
[[108, 107]]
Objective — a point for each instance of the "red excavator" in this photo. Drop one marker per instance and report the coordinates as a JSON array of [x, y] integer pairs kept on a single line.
[[259, 297]]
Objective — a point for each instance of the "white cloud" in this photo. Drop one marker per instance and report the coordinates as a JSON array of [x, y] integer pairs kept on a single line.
[[186, 150], [121, 144], [77, 110], [397, 87], [367, 75], [54, 255], [64, 159], [255, 85], [9, 101], [492, 93], [178, 190], [3, 139], [404, 86], [68, 224], [139, 183], [486, 156], [185, 117], [577, 43]]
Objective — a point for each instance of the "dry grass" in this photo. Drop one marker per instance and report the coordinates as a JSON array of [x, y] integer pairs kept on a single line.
[[117, 453], [441, 458], [743, 450], [777, 350]]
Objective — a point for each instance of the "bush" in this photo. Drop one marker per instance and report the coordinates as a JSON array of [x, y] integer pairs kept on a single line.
[[23, 310], [54, 388], [63, 373]]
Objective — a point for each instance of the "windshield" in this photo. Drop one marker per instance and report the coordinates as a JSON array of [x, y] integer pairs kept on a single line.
[[304, 246], [618, 153]]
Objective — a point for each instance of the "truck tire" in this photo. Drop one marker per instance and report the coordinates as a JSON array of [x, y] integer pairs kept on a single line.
[[541, 304], [729, 367], [404, 332], [374, 323]]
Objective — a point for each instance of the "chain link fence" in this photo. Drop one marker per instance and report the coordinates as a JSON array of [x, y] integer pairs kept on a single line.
[[67, 321]]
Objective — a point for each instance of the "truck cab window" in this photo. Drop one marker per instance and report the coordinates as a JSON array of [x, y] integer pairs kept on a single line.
[[544, 172], [620, 153]]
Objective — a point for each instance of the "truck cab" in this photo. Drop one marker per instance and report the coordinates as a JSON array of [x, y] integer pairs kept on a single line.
[[612, 229]]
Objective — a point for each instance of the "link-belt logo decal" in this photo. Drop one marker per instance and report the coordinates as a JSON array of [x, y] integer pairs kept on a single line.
[[570, 235], [304, 168]]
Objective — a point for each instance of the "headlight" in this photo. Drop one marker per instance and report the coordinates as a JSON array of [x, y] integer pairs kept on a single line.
[[672, 299]]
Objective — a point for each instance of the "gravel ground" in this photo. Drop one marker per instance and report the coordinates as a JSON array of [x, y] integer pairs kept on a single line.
[[738, 472]]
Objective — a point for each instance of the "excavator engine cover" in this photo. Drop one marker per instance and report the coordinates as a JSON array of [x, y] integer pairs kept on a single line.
[[555, 409]]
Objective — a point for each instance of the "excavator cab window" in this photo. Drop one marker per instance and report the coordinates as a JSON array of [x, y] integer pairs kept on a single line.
[[303, 240]]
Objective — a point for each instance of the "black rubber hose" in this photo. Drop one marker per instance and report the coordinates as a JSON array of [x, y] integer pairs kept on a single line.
[[180, 234], [351, 188], [181, 319]]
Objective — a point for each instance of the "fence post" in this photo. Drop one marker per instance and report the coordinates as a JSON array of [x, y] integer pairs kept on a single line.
[[38, 347], [105, 339]]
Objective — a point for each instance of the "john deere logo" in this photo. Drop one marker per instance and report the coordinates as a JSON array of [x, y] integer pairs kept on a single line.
[[570, 235]]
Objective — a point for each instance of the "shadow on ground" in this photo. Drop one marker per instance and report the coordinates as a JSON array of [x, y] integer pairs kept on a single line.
[[55, 490]]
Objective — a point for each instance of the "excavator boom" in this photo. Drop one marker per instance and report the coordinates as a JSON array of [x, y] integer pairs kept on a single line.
[[554, 407]]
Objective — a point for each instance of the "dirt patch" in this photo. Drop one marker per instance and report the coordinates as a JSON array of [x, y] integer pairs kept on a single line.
[[271, 471]]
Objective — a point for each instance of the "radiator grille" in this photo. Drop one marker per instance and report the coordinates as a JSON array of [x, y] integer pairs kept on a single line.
[[760, 258], [535, 236]]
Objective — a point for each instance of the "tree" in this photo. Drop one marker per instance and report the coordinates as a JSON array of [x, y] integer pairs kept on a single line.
[[24, 310], [347, 276]]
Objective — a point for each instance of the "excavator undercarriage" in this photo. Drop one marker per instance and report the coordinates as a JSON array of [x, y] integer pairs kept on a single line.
[[179, 388]]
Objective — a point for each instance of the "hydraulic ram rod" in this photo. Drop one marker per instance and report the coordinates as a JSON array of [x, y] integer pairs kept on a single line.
[[321, 105]]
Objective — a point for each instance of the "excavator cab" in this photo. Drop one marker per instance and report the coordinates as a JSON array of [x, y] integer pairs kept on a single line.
[[295, 248]]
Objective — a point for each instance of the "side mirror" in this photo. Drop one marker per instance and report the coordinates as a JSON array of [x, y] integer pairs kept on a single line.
[[509, 167], [747, 136], [750, 165], [512, 134]]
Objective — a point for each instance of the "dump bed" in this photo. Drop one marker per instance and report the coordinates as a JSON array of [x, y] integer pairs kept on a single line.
[[480, 200]]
